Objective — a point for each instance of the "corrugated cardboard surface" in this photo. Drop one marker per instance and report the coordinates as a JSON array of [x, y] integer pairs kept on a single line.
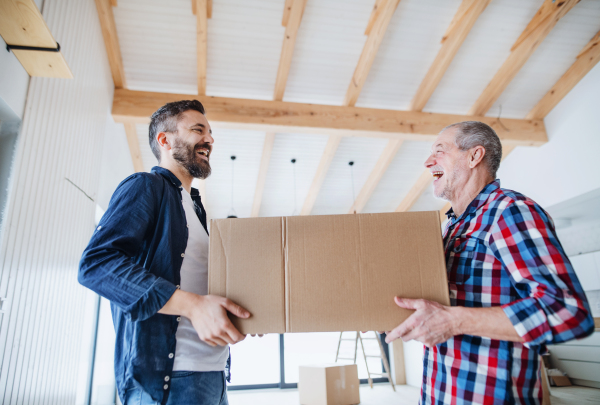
[[329, 385], [246, 266], [327, 273]]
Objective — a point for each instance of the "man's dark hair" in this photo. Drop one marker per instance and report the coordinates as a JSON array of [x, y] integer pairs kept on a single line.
[[475, 133], [165, 120]]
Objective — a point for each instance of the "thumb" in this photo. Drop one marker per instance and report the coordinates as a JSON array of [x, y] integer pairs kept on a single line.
[[236, 309], [407, 303]]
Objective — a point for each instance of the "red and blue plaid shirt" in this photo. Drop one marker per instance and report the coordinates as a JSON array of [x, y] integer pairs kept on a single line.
[[503, 251]]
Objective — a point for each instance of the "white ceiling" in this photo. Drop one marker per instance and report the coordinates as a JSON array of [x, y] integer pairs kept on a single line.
[[158, 45]]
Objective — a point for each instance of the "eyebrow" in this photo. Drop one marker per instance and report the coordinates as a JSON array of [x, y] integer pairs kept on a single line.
[[203, 127]]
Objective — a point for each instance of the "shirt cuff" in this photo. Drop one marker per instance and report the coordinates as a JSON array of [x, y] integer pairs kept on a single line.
[[153, 300], [529, 320]]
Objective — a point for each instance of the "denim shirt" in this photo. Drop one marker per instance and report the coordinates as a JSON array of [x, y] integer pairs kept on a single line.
[[134, 260]]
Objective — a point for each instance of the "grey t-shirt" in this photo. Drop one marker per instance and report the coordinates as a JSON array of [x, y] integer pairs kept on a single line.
[[192, 354]]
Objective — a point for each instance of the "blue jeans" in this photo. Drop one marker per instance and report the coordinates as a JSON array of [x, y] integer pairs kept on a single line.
[[187, 388]]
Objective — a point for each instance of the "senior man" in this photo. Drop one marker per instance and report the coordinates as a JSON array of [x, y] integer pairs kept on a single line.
[[512, 288]]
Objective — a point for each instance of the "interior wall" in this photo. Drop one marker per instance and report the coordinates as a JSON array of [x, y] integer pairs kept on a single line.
[[566, 166], [49, 221]]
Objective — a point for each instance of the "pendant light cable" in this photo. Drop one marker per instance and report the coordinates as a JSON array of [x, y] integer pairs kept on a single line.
[[295, 212], [232, 213]]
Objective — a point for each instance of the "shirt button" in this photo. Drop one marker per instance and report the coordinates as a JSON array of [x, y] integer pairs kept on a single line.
[[457, 249], [177, 286], [100, 227], [166, 386], [167, 378], [178, 318], [183, 255], [170, 355]]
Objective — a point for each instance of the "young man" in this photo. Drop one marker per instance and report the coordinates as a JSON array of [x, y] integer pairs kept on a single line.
[[149, 257], [512, 288]]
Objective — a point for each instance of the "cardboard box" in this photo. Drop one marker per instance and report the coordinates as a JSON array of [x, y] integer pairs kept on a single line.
[[333, 384], [558, 378], [327, 273]]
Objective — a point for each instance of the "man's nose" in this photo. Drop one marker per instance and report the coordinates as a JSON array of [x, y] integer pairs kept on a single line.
[[430, 161], [209, 139]]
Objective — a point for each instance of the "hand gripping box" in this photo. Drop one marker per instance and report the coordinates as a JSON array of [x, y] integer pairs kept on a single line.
[[327, 273]]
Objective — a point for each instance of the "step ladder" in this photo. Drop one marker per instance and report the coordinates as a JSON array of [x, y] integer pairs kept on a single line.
[[381, 356]]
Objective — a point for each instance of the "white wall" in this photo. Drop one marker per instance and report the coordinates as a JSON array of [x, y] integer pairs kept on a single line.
[[567, 165], [48, 221]]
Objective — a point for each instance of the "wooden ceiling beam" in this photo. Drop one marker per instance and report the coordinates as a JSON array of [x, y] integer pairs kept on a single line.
[[586, 60], [379, 20], [382, 13], [464, 19], [292, 24], [330, 148], [134, 147], [280, 116], [536, 31], [262, 173], [390, 151], [203, 11], [111, 42]]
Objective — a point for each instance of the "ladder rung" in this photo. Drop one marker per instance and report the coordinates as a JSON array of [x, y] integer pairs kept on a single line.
[[372, 355], [353, 339], [345, 358], [369, 338], [381, 374]]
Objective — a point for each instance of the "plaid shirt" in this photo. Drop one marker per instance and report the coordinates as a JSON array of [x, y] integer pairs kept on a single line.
[[503, 251]]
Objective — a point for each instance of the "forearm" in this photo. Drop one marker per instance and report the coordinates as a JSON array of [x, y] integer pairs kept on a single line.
[[485, 322], [180, 303]]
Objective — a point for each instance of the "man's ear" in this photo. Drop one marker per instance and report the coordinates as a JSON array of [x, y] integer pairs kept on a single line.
[[476, 155], [163, 141]]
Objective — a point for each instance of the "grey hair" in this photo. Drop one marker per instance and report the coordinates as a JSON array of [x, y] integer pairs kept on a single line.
[[474, 133]]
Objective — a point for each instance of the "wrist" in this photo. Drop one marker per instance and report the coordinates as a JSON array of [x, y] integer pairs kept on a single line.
[[189, 303], [459, 315]]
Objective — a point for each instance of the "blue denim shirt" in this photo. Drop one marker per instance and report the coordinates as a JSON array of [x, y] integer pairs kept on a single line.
[[134, 260]]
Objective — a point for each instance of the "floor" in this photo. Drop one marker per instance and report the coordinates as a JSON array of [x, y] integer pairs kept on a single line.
[[379, 394], [404, 395]]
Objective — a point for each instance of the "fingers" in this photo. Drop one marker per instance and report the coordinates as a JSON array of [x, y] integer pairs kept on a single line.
[[235, 309], [407, 303], [232, 332], [401, 330]]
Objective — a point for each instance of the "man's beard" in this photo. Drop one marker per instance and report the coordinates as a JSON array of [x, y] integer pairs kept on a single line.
[[187, 157], [447, 192]]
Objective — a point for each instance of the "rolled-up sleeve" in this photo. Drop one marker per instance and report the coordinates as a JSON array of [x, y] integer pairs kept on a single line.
[[553, 307], [108, 265]]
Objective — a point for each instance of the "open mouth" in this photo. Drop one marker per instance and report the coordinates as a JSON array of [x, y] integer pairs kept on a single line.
[[204, 153], [437, 175]]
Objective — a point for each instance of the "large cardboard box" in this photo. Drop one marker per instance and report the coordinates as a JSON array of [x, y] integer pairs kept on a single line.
[[327, 273], [332, 384]]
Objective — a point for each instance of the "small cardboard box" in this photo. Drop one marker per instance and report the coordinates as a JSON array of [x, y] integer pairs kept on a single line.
[[327, 273], [333, 384]]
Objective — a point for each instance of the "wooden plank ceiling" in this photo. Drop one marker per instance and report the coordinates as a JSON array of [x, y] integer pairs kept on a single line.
[[286, 47]]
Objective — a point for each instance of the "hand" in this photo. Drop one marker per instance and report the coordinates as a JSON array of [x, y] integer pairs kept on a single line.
[[208, 315], [431, 324]]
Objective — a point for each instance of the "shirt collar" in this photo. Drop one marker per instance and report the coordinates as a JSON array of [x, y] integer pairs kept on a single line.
[[167, 175], [480, 200]]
